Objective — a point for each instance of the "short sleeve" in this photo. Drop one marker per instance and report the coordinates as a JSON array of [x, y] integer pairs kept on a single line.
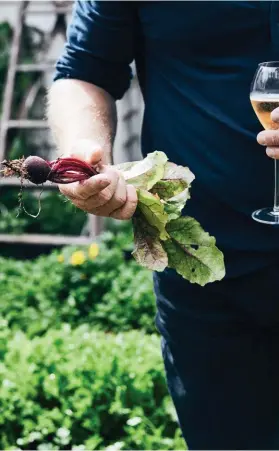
[[100, 45]]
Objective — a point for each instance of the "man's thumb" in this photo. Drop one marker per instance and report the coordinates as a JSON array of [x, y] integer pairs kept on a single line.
[[88, 151]]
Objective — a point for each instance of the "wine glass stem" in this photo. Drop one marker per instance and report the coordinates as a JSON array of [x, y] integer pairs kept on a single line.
[[276, 187]]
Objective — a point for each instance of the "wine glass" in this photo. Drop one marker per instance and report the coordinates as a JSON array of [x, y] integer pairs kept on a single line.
[[264, 97]]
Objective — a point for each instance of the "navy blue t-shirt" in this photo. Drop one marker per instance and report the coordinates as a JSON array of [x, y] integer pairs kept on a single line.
[[195, 63]]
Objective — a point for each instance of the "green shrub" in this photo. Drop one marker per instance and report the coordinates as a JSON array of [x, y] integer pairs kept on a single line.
[[77, 287], [28, 292], [9, 222], [56, 217], [84, 390], [131, 294]]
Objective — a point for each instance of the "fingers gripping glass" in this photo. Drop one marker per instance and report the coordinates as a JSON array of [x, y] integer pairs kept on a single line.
[[264, 97]]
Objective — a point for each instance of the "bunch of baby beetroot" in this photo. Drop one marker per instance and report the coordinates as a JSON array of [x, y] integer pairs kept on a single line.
[[163, 237]]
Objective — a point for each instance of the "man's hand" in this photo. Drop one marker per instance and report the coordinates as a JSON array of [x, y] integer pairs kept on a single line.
[[105, 194], [270, 138]]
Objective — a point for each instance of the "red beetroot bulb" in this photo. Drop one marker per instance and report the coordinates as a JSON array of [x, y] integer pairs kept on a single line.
[[37, 169]]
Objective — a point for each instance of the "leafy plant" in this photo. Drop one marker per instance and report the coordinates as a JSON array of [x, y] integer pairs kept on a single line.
[[57, 217], [95, 284], [162, 237], [10, 222], [59, 392]]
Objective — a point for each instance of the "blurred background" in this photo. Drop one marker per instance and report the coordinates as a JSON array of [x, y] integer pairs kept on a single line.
[[80, 361]]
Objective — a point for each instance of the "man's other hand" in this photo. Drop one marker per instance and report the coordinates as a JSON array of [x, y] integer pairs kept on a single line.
[[270, 138]]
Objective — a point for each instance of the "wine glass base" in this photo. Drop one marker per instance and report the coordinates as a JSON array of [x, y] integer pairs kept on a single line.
[[266, 216]]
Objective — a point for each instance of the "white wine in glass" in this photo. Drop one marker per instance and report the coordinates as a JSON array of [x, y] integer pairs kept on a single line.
[[263, 105], [264, 97]]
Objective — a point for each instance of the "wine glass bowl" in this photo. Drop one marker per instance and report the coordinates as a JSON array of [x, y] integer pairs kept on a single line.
[[264, 96], [263, 106]]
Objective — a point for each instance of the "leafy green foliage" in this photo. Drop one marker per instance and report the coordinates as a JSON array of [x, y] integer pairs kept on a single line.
[[175, 180], [10, 222], [162, 238], [153, 210], [65, 386], [146, 173], [75, 286], [193, 253], [84, 390], [174, 205], [149, 251], [57, 216]]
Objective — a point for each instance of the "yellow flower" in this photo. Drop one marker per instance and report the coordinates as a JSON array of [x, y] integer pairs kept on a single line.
[[77, 258], [60, 258], [93, 251]]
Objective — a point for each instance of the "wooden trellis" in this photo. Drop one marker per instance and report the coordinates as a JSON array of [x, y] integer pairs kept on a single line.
[[60, 9]]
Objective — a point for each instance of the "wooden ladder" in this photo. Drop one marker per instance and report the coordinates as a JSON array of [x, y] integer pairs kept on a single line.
[[93, 226]]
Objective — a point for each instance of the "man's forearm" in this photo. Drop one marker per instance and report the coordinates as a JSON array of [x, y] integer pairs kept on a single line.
[[78, 110]]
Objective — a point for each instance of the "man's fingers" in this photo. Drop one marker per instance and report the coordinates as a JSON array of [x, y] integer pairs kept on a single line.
[[87, 188], [275, 115], [129, 208], [92, 186], [273, 152], [269, 138], [117, 200], [103, 203], [105, 194]]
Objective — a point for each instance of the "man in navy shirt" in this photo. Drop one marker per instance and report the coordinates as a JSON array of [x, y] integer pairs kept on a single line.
[[195, 63]]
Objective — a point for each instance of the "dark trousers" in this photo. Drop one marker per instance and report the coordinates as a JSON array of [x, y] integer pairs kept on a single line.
[[221, 354]]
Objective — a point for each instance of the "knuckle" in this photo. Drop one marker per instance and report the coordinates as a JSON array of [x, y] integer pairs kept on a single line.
[[91, 187], [133, 202], [114, 175], [274, 139], [82, 194], [275, 115], [75, 192], [125, 212], [132, 194], [81, 205], [104, 197], [120, 199]]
